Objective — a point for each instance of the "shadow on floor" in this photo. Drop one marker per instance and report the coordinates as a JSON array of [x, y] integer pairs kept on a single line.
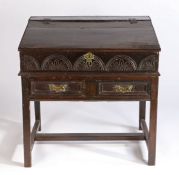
[[10, 138]]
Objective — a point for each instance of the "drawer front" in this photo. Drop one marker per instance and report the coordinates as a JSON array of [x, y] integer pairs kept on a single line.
[[63, 88], [129, 88]]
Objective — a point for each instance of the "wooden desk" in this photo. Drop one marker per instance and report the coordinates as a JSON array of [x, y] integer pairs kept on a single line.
[[89, 59]]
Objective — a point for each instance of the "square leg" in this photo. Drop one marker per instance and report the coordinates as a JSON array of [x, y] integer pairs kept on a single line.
[[37, 113], [153, 123], [142, 109], [26, 125]]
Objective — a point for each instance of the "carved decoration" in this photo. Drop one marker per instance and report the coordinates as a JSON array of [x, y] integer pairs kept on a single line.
[[29, 63], [89, 62], [56, 63], [121, 63], [149, 63]]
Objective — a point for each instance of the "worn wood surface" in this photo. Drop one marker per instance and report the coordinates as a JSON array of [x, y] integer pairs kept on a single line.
[[119, 33], [89, 59]]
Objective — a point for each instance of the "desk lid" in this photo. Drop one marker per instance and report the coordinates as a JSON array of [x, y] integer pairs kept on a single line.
[[113, 33]]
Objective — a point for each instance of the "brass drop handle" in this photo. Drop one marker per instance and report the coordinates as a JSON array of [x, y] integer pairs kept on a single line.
[[123, 88], [58, 88]]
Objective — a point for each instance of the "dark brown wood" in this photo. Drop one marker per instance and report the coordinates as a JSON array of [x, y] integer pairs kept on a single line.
[[89, 59], [100, 34], [153, 122], [117, 88], [53, 88], [142, 108], [26, 123], [34, 131], [37, 113], [89, 136], [145, 130], [85, 75]]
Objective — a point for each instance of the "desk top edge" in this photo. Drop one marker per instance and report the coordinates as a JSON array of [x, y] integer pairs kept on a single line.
[[89, 18]]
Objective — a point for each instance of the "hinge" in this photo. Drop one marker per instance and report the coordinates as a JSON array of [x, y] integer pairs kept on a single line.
[[132, 20], [46, 21]]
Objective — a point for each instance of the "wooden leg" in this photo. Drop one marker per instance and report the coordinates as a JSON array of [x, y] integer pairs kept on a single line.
[[142, 107], [26, 125], [153, 123], [37, 112]]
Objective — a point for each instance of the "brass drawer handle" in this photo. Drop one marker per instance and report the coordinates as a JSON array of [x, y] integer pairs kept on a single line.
[[58, 88], [123, 89]]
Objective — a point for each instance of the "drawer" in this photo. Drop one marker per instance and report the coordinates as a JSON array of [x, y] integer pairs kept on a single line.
[[128, 88], [62, 88]]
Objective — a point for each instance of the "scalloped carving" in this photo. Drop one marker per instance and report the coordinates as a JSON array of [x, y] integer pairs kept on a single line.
[[89, 62], [149, 63], [56, 63], [30, 64], [121, 63]]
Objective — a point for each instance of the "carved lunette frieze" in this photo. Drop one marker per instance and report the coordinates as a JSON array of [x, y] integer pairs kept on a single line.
[[29, 63], [121, 63], [56, 63], [91, 62], [149, 63]]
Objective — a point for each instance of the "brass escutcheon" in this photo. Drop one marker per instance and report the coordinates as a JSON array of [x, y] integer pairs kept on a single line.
[[89, 57], [58, 88], [123, 89]]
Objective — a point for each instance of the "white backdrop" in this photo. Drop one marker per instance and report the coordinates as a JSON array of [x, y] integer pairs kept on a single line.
[[88, 158]]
